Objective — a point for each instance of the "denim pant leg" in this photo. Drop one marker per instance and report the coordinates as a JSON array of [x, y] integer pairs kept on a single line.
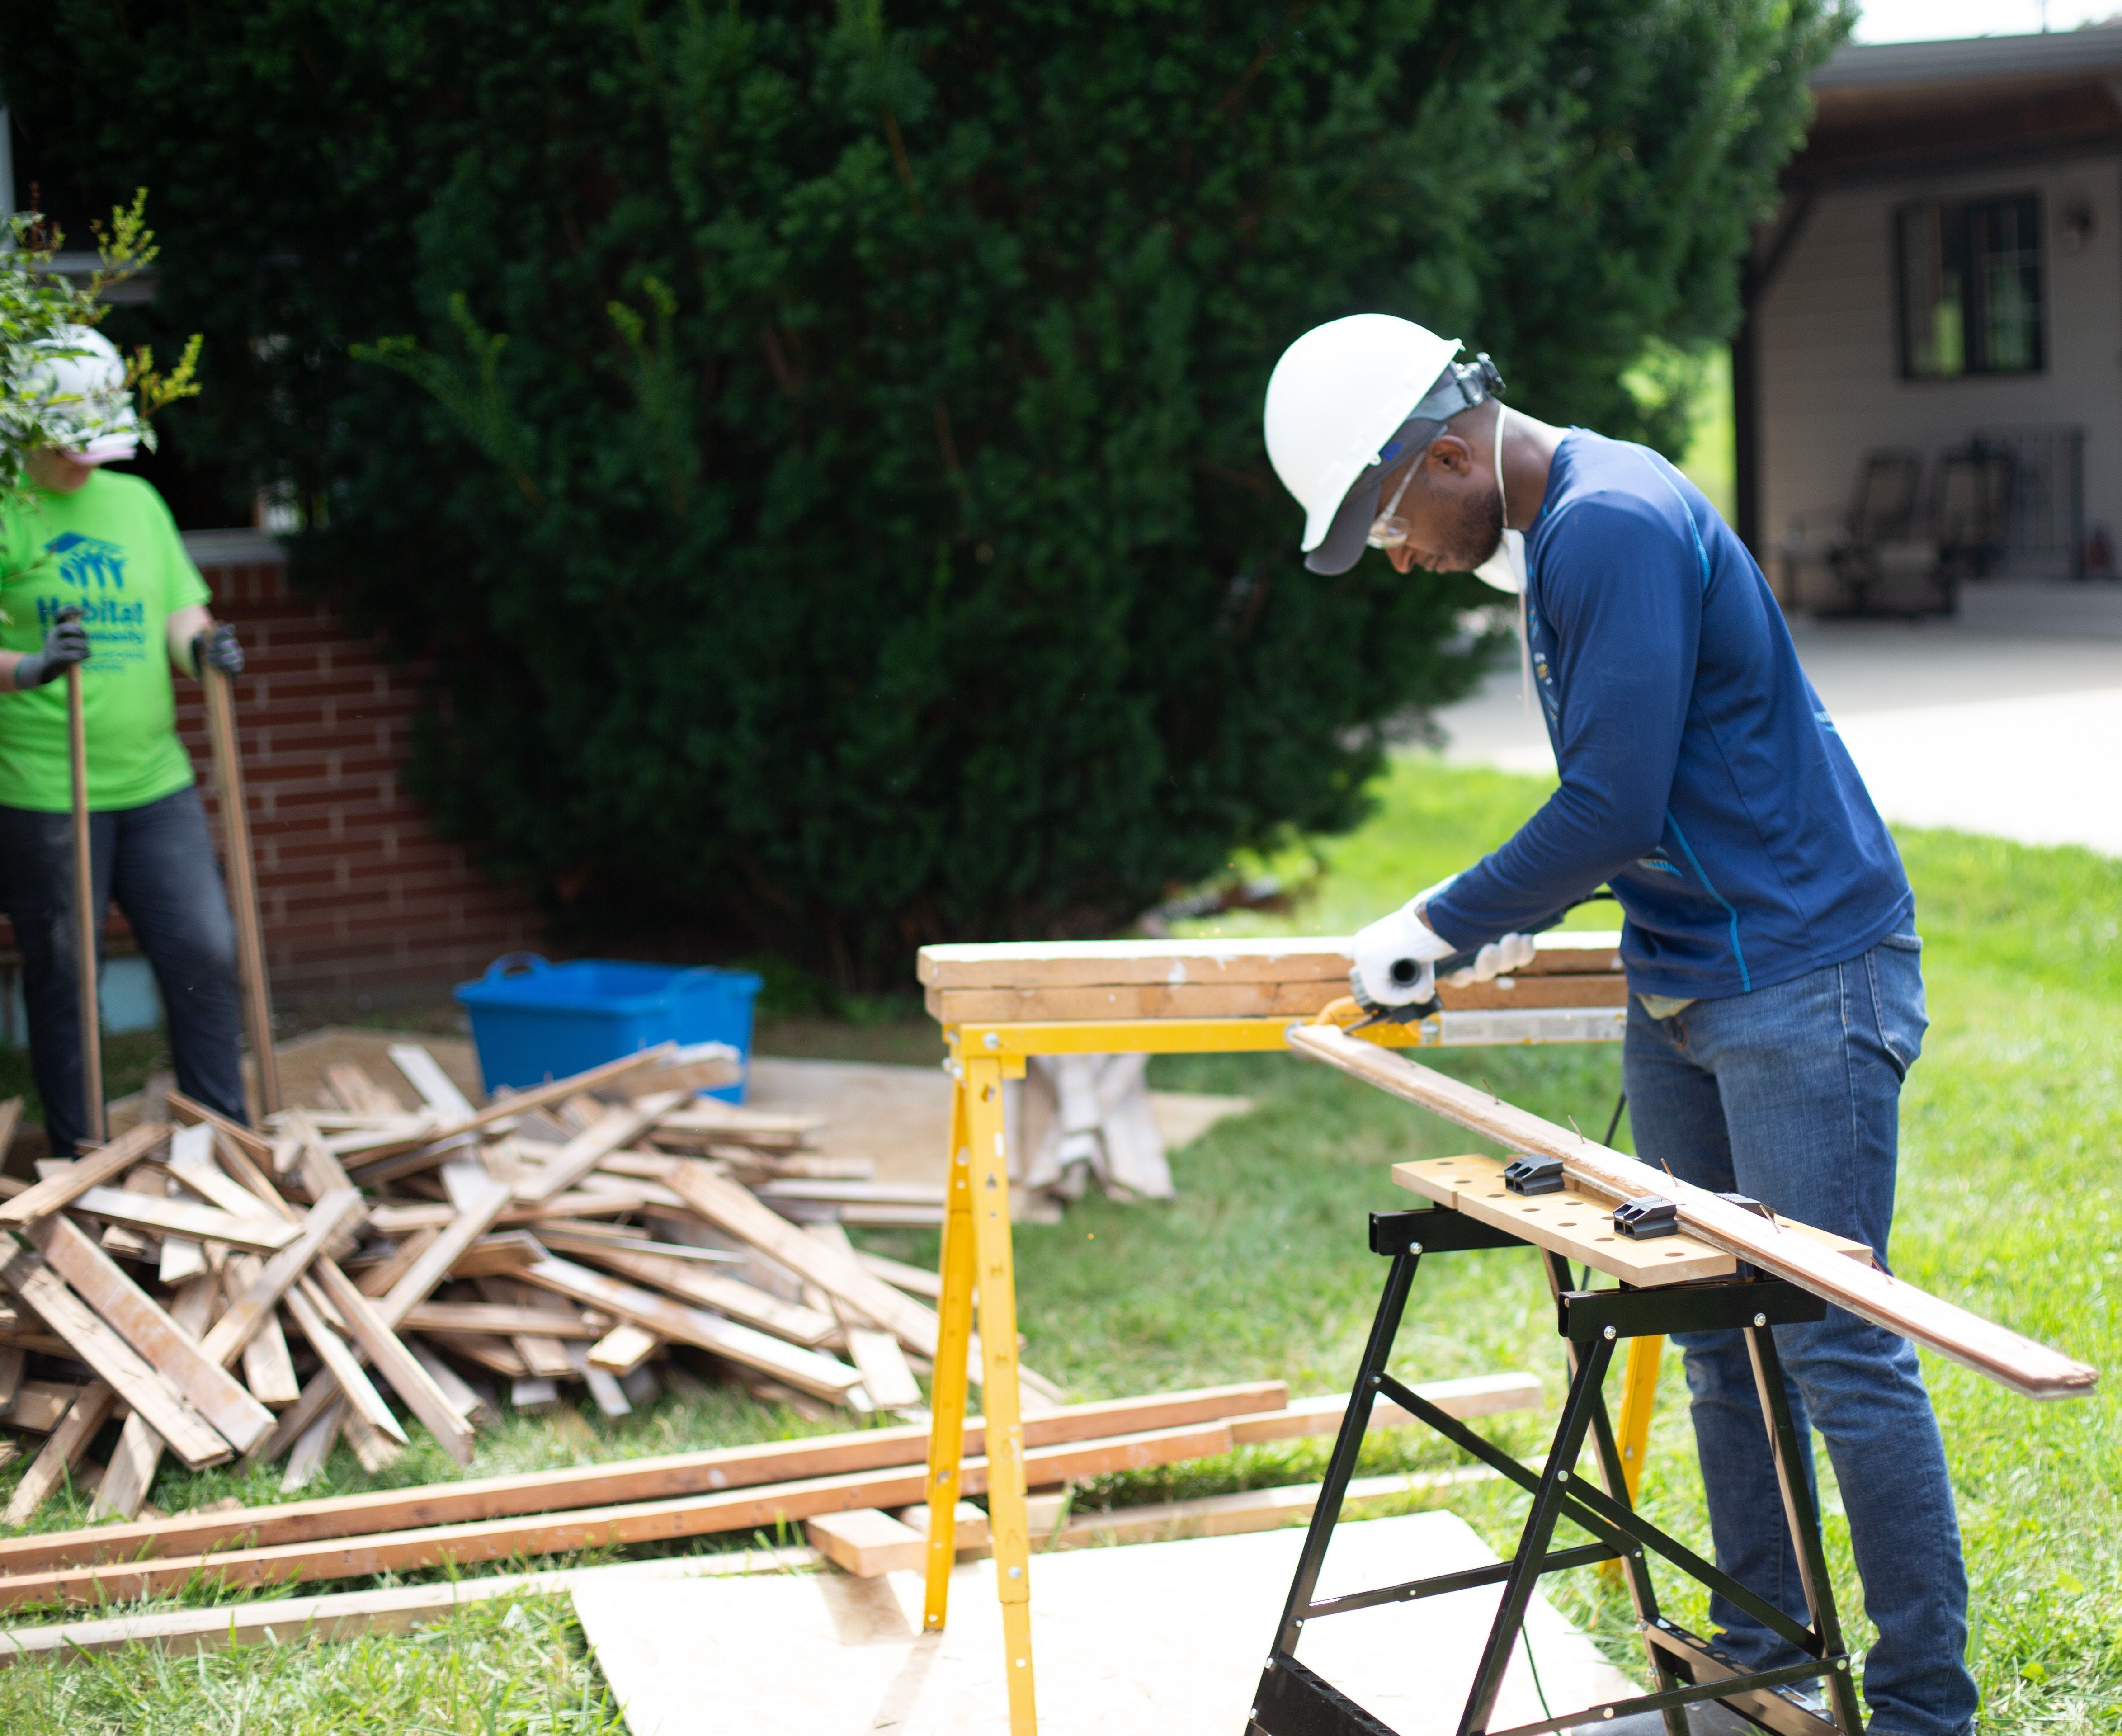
[[1677, 1118], [1808, 1074], [36, 885], [167, 880]]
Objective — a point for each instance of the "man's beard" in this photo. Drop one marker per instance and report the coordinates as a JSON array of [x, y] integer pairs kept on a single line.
[[1474, 527]]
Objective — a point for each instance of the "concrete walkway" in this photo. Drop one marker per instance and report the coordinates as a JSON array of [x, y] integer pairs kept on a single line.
[[2019, 737]]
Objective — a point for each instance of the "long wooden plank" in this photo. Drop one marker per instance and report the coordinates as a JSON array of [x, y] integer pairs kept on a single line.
[[733, 1209], [693, 1515], [140, 1321], [696, 1283], [191, 1437], [92, 1171], [1250, 1000], [395, 1364], [806, 1370], [342, 1368], [131, 1471], [2003, 1355], [66, 1443], [181, 1217], [254, 1145], [489, 1317], [437, 1090], [582, 1153], [461, 1227], [618, 1482], [255, 1302], [1105, 963]]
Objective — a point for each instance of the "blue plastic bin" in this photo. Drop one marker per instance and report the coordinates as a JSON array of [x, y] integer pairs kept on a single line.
[[535, 1021]]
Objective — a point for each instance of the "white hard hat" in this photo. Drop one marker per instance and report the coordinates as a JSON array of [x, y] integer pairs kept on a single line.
[[81, 379], [1346, 400]]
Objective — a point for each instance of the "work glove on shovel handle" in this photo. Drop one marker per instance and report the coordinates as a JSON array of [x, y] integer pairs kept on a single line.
[[219, 650], [65, 645]]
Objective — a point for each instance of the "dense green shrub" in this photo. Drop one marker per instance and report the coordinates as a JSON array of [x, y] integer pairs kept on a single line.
[[820, 447]]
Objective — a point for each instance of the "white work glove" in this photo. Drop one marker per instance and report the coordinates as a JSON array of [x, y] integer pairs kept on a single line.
[[1499, 958], [1395, 956]]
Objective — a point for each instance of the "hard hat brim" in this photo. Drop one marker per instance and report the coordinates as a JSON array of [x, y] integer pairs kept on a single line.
[[1348, 532]]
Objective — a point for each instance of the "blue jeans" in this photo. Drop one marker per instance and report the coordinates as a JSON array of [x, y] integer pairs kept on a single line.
[[1791, 1094], [157, 863]]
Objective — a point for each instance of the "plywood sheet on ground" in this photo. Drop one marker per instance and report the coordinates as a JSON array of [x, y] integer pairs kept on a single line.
[[899, 1117], [1166, 1637]]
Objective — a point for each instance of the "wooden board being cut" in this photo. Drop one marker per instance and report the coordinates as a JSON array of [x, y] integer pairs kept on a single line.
[[1163, 1637], [1171, 963], [1251, 1000]]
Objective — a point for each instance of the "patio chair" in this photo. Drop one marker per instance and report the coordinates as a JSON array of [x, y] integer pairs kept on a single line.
[[1879, 539]]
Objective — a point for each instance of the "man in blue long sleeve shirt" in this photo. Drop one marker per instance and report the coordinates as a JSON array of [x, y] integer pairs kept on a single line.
[[1776, 995]]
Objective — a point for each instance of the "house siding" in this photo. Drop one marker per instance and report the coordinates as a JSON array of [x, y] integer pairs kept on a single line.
[[1830, 383]]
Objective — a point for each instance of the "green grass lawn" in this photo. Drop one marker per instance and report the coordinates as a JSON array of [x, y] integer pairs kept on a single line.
[[2010, 1126]]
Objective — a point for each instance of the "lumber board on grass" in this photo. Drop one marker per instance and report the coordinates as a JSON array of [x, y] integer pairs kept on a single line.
[[141, 1322], [269, 1370], [2007, 1357], [491, 1316], [68, 1441], [759, 1508], [615, 1483], [771, 1462], [255, 1297], [807, 1371], [916, 1280], [867, 1542], [1479, 1395], [181, 1217], [65, 1186], [131, 1471], [350, 1615], [1250, 1000], [497, 1355], [190, 1436], [395, 1364], [436, 1089], [40, 1404], [573, 1161], [886, 1376], [1107, 963], [698, 1283], [341, 1366], [735, 1210], [624, 1349]]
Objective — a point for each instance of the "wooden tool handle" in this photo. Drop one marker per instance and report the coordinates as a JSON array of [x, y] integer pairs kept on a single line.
[[242, 884], [86, 917], [2004, 1356]]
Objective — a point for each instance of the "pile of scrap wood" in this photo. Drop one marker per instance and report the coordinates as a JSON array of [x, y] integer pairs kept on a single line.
[[855, 1478], [230, 1292]]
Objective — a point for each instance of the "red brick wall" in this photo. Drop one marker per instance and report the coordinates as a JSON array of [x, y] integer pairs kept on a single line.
[[358, 896]]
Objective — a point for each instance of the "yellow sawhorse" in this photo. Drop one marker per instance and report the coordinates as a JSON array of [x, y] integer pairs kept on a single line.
[[977, 1261]]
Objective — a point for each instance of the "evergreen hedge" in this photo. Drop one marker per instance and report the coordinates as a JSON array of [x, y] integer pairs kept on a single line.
[[819, 445]]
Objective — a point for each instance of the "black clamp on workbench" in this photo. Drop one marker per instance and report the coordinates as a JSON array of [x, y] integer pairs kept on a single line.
[[1292, 1701]]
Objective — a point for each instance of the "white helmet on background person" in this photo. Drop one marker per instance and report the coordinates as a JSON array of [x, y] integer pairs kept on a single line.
[[1347, 401], [83, 381]]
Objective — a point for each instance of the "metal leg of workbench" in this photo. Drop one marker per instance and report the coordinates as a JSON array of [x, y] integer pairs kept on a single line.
[[1631, 1569], [1803, 1520], [1355, 1420]]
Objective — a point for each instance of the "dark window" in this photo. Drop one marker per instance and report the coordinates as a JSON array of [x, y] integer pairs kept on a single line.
[[1971, 287]]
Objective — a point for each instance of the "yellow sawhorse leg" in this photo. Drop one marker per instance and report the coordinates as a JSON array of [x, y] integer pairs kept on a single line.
[[976, 1255]]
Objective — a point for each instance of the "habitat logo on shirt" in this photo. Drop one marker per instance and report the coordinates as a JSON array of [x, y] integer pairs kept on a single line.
[[89, 562]]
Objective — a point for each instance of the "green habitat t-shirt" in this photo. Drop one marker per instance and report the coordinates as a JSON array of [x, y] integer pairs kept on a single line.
[[111, 547]]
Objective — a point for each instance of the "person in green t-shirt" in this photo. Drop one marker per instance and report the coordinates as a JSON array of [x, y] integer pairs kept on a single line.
[[105, 544]]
